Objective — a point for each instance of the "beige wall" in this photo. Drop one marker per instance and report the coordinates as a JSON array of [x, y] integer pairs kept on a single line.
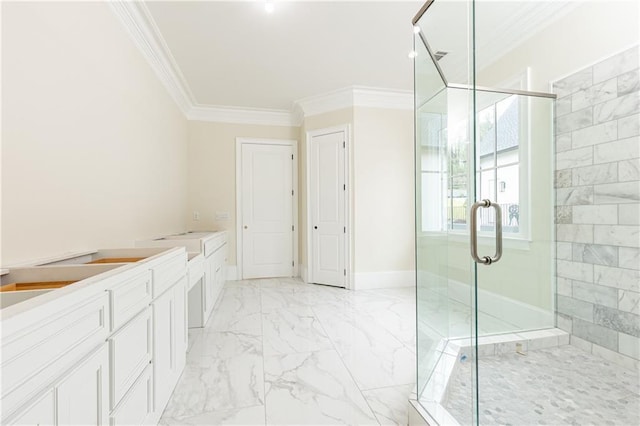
[[593, 31], [383, 190], [212, 172], [93, 147]]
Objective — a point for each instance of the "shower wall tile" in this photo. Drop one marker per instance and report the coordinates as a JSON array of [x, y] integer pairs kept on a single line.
[[629, 126], [595, 254], [625, 192], [574, 158], [625, 279], [629, 82], [614, 109], [615, 319], [578, 119], [574, 196], [629, 214], [629, 257], [595, 333], [629, 345], [629, 170], [617, 235], [596, 294], [592, 135], [597, 180], [601, 173], [605, 214], [629, 301], [618, 150], [604, 91]]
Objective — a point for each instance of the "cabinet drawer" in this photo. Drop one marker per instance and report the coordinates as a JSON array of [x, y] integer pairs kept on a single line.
[[37, 355], [129, 298], [196, 270], [130, 353], [168, 273], [212, 244], [136, 406]]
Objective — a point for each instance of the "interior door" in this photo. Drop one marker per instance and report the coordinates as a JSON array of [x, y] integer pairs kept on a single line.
[[267, 210], [327, 195]]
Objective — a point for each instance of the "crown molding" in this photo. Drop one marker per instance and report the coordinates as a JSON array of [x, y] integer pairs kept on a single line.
[[146, 35], [224, 114], [355, 96], [140, 25]]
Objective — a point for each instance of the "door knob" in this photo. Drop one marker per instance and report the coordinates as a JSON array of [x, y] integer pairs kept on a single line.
[[245, 227], [315, 227]]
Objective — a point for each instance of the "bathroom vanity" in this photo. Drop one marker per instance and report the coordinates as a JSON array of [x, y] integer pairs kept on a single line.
[[95, 337], [206, 269]]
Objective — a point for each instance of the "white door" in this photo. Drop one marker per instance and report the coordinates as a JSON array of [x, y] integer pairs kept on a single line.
[[267, 210], [327, 205]]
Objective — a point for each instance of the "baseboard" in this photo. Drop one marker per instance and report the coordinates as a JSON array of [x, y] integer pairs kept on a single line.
[[386, 279], [232, 272]]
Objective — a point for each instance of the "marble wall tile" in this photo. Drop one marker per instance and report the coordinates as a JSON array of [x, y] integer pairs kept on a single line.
[[629, 345], [616, 65], [575, 308], [592, 135], [584, 117], [617, 358], [595, 333], [619, 150], [574, 158], [629, 301], [574, 196], [563, 106], [600, 214], [580, 343], [629, 170], [610, 110], [564, 250], [629, 257], [615, 319], [610, 193], [563, 214], [564, 322], [624, 279], [564, 286], [563, 142], [390, 404], [600, 173], [628, 82], [617, 235], [595, 94], [563, 178], [595, 254], [596, 294], [574, 233], [629, 214], [629, 126], [578, 81]]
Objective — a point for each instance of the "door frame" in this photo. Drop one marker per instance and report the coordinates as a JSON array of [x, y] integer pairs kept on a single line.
[[346, 128], [294, 207]]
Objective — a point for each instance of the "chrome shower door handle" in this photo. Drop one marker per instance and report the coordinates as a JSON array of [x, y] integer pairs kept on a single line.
[[473, 232]]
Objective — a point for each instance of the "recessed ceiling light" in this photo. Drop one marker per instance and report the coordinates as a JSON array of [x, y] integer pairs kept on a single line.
[[269, 7], [413, 54], [416, 29]]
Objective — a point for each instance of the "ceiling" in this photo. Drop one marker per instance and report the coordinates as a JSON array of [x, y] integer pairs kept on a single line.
[[236, 54]]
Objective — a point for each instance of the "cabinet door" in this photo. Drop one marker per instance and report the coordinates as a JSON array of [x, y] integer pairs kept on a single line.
[[209, 286], [40, 413], [83, 395], [163, 349], [180, 326]]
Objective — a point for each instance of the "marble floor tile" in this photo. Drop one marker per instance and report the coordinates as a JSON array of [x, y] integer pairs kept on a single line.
[[239, 416], [237, 310], [313, 388], [223, 345], [297, 331], [390, 404]]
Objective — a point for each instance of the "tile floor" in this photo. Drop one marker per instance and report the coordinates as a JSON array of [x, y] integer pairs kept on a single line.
[[278, 351], [555, 386]]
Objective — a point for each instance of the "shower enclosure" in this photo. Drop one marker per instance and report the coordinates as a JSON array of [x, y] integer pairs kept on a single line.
[[484, 216]]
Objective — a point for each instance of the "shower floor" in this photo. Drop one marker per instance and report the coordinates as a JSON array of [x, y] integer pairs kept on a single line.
[[563, 385]]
